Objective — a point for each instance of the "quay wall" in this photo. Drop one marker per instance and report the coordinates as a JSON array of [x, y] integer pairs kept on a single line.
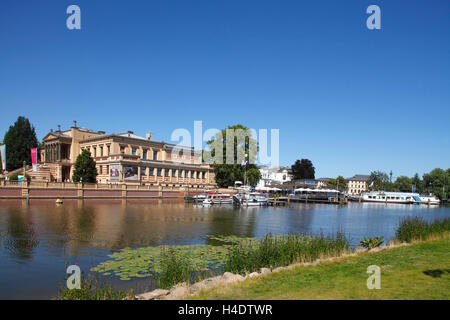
[[47, 190]]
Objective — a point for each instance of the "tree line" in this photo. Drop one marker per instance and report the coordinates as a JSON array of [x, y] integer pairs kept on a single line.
[[437, 181]]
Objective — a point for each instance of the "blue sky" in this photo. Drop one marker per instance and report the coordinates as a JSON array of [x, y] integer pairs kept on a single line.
[[350, 99]]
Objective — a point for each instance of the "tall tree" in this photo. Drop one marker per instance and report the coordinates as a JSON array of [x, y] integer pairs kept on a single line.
[[303, 169], [253, 176], [338, 181], [403, 184], [230, 169], [437, 182], [417, 183], [19, 139], [84, 169], [379, 180]]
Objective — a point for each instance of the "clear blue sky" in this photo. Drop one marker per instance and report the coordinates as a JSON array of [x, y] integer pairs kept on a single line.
[[350, 99]]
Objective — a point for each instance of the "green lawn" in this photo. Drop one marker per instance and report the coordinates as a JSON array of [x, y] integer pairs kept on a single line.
[[419, 271]]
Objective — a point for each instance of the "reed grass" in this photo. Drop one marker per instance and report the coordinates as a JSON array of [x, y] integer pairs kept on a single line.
[[176, 267], [412, 229], [272, 252]]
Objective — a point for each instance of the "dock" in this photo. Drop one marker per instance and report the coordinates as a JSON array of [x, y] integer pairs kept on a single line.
[[279, 201]]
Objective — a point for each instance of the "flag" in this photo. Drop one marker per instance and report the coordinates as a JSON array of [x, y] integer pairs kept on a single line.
[[34, 158], [3, 156], [33, 155]]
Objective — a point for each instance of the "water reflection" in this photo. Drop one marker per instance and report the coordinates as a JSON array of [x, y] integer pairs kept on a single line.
[[41, 237], [21, 234]]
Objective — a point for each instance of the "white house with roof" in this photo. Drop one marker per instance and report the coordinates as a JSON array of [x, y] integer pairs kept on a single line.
[[357, 184]]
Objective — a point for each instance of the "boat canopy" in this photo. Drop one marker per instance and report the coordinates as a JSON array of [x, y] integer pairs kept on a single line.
[[316, 190], [267, 189]]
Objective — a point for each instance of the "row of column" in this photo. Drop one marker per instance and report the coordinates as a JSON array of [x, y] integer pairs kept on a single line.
[[183, 174], [52, 152]]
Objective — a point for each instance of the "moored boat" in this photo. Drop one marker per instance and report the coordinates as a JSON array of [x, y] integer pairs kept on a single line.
[[218, 198], [399, 197]]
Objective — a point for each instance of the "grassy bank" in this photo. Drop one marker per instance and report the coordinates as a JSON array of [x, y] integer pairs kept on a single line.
[[418, 271]]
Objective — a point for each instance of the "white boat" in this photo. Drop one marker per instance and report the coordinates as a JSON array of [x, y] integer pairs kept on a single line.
[[250, 199], [199, 197], [429, 199], [329, 195], [398, 197], [218, 198]]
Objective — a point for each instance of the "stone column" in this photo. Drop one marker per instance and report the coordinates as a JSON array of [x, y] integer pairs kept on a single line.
[[80, 191], [124, 190]]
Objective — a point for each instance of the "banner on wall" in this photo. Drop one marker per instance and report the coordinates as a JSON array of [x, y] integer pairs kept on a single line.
[[34, 158], [3, 156], [114, 172]]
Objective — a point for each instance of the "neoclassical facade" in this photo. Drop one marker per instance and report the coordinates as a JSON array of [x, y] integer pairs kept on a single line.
[[357, 184], [123, 158]]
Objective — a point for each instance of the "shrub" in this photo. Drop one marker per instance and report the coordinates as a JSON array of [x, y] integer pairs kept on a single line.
[[411, 229], [15, 177], [273, 251], [371, 243], [176, 267]]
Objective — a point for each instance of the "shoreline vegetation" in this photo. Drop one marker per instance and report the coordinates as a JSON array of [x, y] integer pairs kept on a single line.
[[206, 271]]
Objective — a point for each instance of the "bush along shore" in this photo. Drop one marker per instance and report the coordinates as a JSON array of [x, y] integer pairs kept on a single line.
[[183, 271]]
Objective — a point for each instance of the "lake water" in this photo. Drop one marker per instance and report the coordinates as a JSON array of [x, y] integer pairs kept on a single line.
[[39, 239]]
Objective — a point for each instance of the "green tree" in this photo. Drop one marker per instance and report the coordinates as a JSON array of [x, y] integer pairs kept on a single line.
[[341, 182], [253, 176], [243, 147], [84, 168], [417, 182], [403, 184], [334, 183], [379, 181], [19, 139], [437, 182], [303, 169]]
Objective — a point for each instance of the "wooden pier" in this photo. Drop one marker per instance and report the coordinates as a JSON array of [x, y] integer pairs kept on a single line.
[[279, 201]]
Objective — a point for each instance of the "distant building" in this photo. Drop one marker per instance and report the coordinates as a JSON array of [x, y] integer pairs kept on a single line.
[[273, 176], [122, 158], [322, 182], [357, 184]]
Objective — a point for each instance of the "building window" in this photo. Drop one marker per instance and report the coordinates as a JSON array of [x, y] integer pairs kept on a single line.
[[142, 172], [144, 154], [150, 171], [122, 149], [179, 173], [101, 151], [108, 150], [173, 173], [185, 173], [133, 150], [155, 155], [192, 174], [158, 172], [166, 172]]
